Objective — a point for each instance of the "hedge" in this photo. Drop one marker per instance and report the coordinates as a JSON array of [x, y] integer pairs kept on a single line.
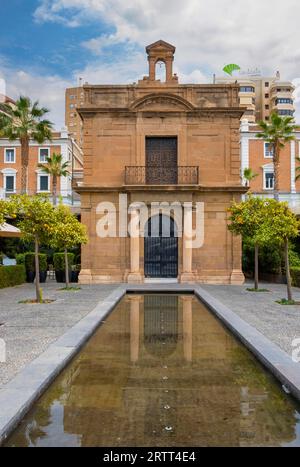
[[12, 275], [59, 261], [30, 262], [295, 275]]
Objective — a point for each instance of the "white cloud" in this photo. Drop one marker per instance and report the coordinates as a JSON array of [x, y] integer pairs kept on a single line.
[[207, 33], [48, 90]]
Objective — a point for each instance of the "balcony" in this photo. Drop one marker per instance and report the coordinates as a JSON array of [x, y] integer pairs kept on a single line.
[[141, 175]]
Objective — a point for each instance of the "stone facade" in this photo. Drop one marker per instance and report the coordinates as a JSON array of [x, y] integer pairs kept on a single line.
[[117, 120]]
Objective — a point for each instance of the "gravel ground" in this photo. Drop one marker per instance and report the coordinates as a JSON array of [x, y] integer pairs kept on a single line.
[[280, 324], [29, 329]]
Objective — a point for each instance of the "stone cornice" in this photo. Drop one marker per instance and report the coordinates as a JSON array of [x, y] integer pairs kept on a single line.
[[161, 188]]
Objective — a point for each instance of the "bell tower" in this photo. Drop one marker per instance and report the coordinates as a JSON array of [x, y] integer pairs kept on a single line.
[[161, 51]]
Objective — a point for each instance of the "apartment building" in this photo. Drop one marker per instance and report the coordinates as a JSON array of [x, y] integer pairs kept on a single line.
[[257, 154], [262, 95], [38, 181], [74, 98]]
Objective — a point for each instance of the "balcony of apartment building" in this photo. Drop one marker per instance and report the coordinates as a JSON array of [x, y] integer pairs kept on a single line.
[[67, 197], [283, 105], [281, 89]]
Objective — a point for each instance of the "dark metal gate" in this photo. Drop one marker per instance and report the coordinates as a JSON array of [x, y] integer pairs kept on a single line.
[[160, 251], [161, 160]]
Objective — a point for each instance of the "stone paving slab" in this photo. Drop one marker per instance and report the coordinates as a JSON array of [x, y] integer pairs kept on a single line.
[[29, 329], [280, 324]]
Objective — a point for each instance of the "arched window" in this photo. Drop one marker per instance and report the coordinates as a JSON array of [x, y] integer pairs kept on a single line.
[[160, 71]]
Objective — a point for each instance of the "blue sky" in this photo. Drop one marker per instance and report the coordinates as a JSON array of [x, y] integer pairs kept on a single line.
[[46, 45]]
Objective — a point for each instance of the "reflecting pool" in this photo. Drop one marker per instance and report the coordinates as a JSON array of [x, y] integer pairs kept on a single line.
[[162, 371]]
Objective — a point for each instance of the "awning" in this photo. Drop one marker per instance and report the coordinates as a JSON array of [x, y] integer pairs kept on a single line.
[[8, 230]]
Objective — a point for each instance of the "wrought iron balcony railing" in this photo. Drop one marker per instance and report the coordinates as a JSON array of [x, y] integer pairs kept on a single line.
[[141, 175]]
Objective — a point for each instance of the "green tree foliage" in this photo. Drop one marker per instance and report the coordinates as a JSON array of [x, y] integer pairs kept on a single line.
[[277, 133], [68, 232], [249, 175], [280, 226], [56, 168], [24, 121], [246, 219], [36, 219]]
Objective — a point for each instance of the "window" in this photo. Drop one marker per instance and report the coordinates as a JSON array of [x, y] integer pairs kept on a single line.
[[247, 89], [268, 150], [268, 180], [285, 112], [9, 183], [72, 96], [267, 117], [43, 182], [43, 154], [267, 96], [267, 84], [284, 100], [10, 155], [72, 106], [267, 107], [9, 180]]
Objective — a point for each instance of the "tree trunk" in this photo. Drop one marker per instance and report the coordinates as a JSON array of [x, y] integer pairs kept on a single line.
[[276, 163], [54, 189], [287, 270], [24, 162], [37, 270], [256, 267], [67, 269]]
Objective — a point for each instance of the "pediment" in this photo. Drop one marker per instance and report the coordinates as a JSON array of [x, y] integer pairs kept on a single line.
[[160, 45], [162, 102]]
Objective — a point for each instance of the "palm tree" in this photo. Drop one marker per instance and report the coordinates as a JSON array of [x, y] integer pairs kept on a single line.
[[56, 168], [24, 122], [277, 133], [249, 175]]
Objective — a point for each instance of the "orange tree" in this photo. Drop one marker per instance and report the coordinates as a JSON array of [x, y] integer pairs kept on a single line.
[[35, 219], [246, 219], [6, 210], [67, 233], [279, 226]]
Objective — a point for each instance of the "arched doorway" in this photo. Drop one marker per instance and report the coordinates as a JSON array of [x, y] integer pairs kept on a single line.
[[161, 247]]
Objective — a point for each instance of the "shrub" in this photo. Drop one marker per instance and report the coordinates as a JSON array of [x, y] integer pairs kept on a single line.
[[20, 258], [30, 262], [12, 275], [59, 261], [295, 274]]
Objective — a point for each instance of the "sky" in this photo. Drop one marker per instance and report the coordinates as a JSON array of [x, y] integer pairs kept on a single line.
[[47, 45]]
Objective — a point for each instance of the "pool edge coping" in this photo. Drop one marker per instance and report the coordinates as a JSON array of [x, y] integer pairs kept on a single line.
[[21, 392]]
